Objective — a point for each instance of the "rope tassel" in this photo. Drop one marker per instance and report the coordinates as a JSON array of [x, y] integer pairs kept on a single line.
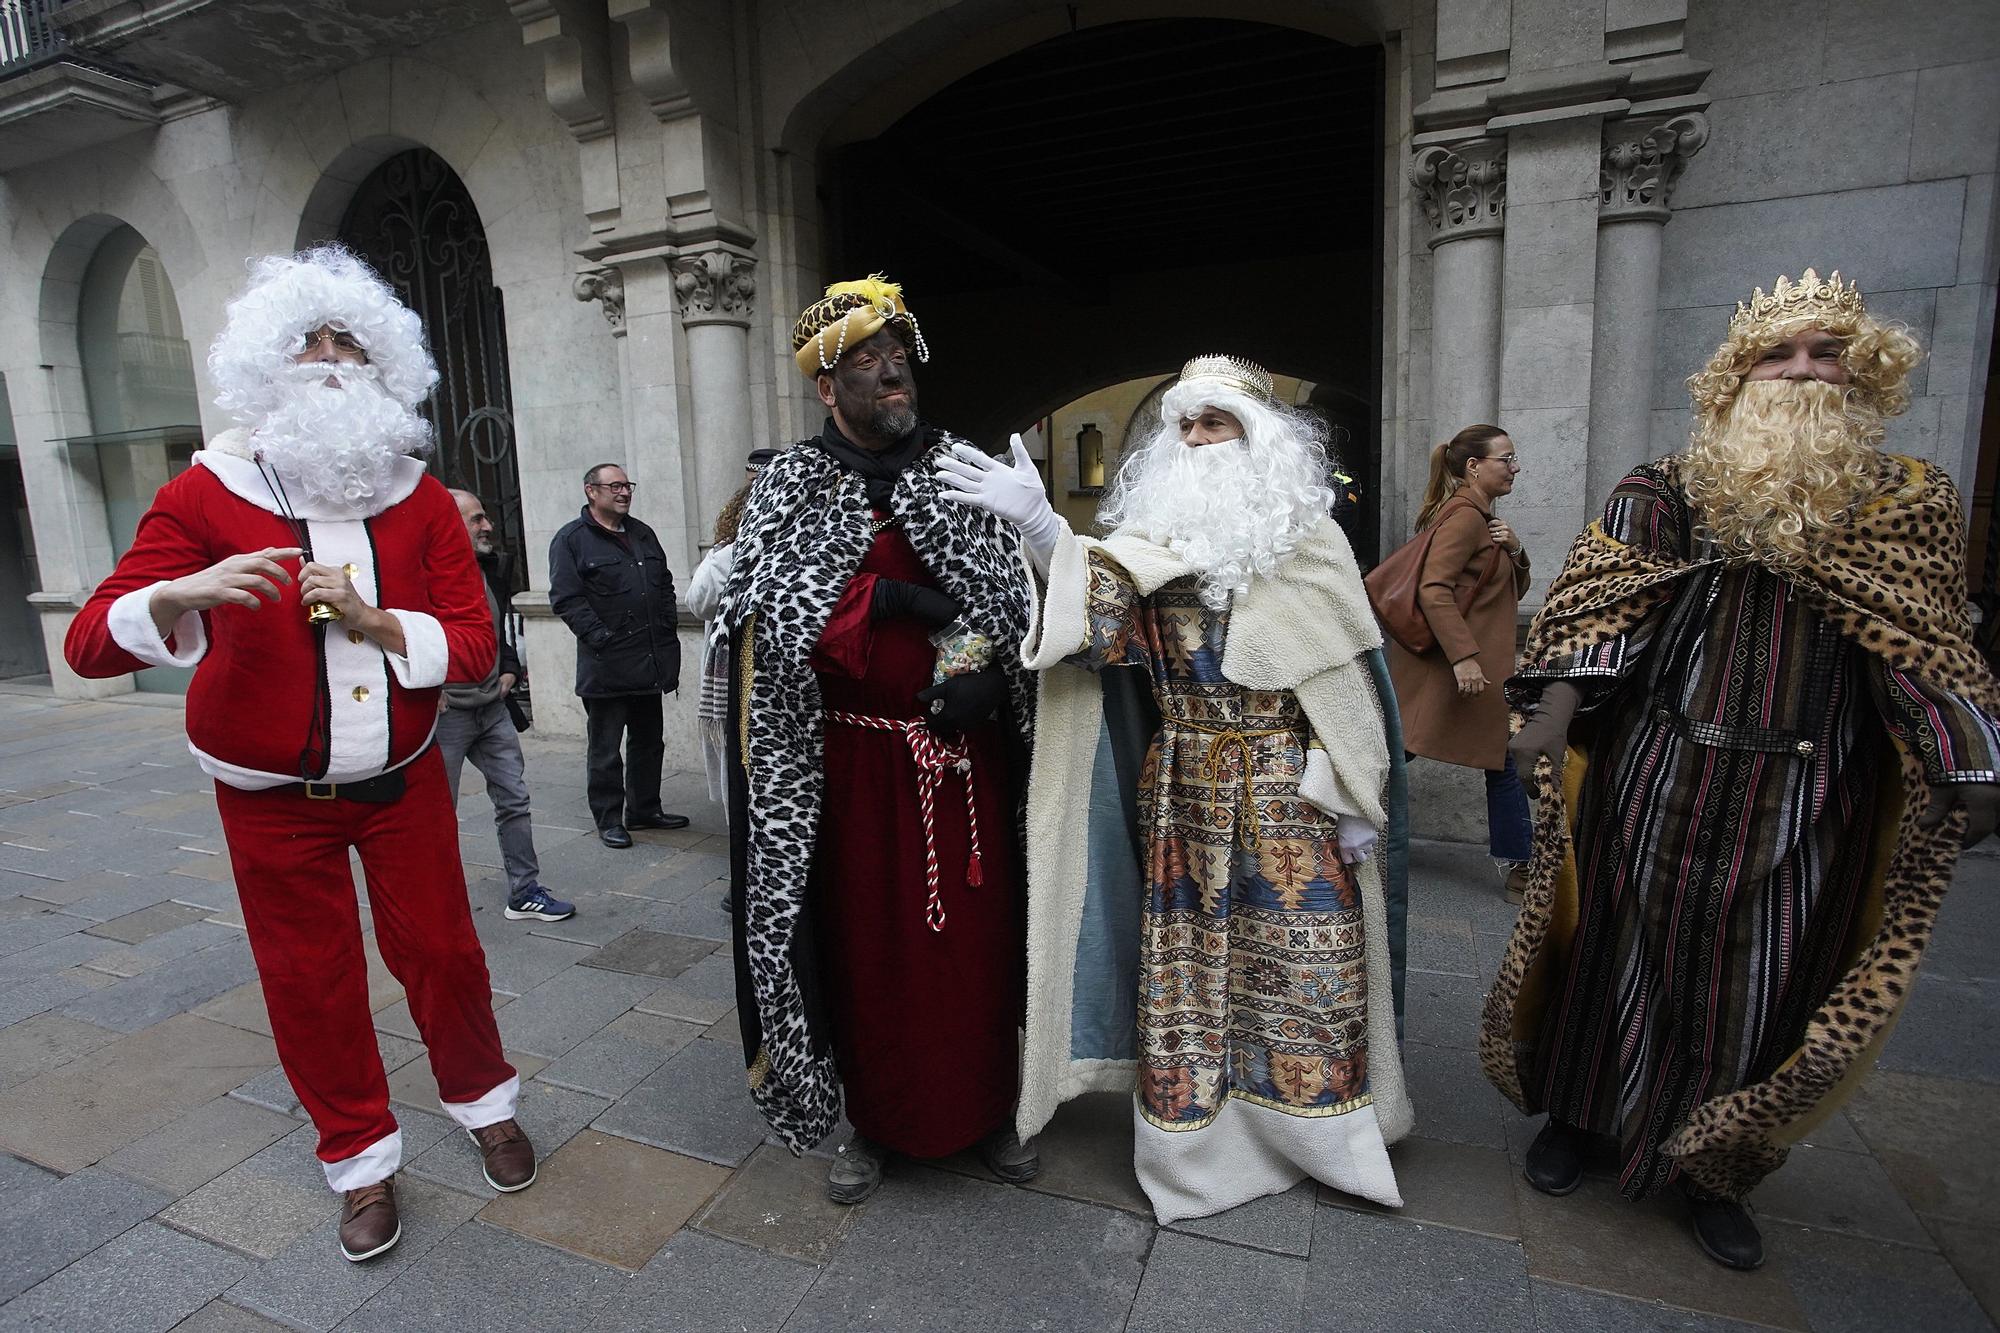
[[934, 756]]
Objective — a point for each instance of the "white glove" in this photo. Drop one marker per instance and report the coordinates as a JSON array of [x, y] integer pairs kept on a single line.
[[1010, 489], [1357, 839]]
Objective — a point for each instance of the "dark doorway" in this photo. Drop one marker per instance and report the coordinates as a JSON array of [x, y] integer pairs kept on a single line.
[[1103, 205], [413, 219]]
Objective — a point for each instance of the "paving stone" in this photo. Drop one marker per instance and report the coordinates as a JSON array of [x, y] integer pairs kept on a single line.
[[455, 1287], [1560, 1309], [1086, 1153], [551, 1116], [50, 1223], [1453, 1100], [124, 895], [682, 879], [614, 1061], [1837, 1133], [1934, 1136], [149, 1278], [1442, 944], [703, 994], [1946, 1029], [185, 1154], [27, 932], [727, 1029], [243, 1007], [1380, 1273], [778, 1202], [1451, 1184], [138, 927], [273, 1089], [1038, 1262], [1970, 1250], [608, 1199], [74, 1115], [415, 1084], [699, 1284], [568, 1007], [311, 1285], [698, 1103], [65, 893], [517, 961], [651, 953], [600, 918], [173, 987], [1280, 1223], [219, 1316], [1849, 1285], [52, 955], [698, 916], [43, 1042], [1443, 1010], [1197, 1286], [1838, 1191], [1645, 1250], [184, 940], [395, 1018], [264, 1203]]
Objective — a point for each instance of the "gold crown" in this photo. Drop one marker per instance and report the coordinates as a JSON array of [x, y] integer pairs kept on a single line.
[[1830, 304], [1247, 376]]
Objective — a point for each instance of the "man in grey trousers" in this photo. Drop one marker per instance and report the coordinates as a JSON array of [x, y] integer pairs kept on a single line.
[[474, 723]]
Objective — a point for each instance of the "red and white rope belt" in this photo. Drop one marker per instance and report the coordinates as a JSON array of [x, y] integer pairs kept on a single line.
[[935, 757]]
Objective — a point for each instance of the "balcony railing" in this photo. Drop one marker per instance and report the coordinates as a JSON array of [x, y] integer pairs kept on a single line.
[[27, 35]]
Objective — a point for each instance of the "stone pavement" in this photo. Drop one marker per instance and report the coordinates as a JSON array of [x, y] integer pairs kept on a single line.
[[157, 1172]]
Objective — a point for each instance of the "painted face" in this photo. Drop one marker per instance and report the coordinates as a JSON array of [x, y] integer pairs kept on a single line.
[[1210, 425], [1813, 354], [873, 390]]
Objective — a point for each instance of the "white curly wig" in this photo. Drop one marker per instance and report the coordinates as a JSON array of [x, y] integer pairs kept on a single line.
[[287, 297]]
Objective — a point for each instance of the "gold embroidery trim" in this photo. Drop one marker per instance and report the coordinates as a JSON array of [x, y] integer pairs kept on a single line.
[[1306, 1112], [746, 673]]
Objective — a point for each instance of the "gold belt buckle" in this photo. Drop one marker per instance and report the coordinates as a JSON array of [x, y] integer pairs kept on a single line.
[[327, 791]]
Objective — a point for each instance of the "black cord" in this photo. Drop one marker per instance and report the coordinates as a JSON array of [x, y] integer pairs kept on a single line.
[[316, 753]]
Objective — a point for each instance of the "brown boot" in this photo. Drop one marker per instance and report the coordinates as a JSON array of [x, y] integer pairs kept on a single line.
[[506, 1155], [368, 1220], [1514, 879]]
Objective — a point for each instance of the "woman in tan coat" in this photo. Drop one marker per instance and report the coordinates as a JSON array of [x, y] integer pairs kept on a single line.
[[1453, 710]]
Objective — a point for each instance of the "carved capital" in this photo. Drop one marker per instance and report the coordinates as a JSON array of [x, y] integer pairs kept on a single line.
[[606, 286], [575, 43], [714, 286], [1643, 159], [1462, 188]]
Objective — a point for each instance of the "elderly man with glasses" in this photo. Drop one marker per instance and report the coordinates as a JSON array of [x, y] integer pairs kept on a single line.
[[609, 581]]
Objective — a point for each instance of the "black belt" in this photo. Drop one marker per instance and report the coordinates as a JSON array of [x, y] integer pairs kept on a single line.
[[378, 790]]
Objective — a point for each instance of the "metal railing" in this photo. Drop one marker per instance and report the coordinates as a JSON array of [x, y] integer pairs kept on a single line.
[[26, 32]]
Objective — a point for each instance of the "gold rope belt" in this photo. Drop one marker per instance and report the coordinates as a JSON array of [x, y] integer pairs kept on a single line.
[[1220, 739]]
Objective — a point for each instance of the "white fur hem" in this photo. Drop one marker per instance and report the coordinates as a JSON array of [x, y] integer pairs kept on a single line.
[[130, 621], [378, 1161], [1249, 1151], [495, 1106], [424, 659]]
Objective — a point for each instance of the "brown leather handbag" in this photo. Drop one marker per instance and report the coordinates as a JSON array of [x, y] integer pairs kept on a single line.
[[1393, 585]]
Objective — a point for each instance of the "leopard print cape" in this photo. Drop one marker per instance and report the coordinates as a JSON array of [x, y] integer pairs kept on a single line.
[[1894, 582], [805, 530]]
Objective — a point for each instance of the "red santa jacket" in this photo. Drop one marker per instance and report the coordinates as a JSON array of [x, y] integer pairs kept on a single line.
[[250, 707]]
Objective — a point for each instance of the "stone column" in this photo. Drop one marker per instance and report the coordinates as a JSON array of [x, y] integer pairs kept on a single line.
[[1462, 188], [715, 287], [1643, 159]]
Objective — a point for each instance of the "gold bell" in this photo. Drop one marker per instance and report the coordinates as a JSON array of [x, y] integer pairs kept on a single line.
[[321, 613]]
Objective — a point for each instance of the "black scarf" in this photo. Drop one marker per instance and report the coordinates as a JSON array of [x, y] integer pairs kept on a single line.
[[878, 470]]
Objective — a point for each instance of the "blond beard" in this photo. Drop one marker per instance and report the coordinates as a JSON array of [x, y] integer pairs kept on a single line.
[[1783, 464]]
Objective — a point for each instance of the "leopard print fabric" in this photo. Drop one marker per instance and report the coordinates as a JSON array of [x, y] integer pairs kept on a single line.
[[804, 533], [1894, 583]]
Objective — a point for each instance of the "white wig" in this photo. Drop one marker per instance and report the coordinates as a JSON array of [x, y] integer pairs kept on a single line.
[[291, 295]]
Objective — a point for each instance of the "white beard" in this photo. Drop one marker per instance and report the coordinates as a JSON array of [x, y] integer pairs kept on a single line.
[[1232, 511], [339, 446]]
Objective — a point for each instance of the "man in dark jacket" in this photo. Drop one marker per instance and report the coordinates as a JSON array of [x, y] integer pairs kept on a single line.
[[476, 722], [609, 581]]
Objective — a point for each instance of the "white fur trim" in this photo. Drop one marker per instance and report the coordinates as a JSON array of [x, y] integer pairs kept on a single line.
[[1249, 1151], [130, 621], [424, 659], [377, 1162], [1056, 622], [231, 456], [497, 1105], [254, 779]]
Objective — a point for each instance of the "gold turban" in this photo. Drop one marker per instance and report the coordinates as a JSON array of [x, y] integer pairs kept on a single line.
[[848, 314]]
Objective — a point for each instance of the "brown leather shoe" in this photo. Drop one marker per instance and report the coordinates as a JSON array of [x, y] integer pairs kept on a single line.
[[507, 1157], [368, 1220]]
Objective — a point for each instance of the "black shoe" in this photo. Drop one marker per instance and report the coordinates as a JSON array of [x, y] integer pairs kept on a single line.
[[1555, 1159], [663, 820], [1723, 1229], [614, 835], [728, 904]]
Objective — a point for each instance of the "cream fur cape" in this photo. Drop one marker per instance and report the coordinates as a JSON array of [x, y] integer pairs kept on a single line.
[[1307, 629]]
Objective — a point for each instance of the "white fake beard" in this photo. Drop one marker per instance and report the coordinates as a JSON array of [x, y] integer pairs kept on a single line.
[[1232, 512], [339, 446]]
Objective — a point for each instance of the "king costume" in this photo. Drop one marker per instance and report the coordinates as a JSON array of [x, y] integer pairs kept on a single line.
[[1203, 931], [875, 856], [1733, 883], [319, 740]]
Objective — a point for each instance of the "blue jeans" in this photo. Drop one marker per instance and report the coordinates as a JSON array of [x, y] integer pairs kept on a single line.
[[1509, 832]]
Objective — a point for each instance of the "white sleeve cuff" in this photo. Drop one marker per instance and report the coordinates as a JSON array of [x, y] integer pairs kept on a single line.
[[131, 624], [422, 663]]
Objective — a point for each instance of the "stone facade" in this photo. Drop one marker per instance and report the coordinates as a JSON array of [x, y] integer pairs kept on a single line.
[[1572, 195]]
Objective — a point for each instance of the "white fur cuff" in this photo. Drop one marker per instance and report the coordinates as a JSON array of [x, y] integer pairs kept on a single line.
[[377, 1162], [130, 621], [1318, 786], [498, 1104], [424, 658]]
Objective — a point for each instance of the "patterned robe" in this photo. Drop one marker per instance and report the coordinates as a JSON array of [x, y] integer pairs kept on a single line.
[[1724, 839]]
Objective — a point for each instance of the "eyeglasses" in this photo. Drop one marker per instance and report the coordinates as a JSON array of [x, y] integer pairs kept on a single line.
[[620, 487], [342, 340], [1511, 460]]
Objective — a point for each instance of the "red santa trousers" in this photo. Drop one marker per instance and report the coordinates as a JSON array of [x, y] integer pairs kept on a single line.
[[290, 855]]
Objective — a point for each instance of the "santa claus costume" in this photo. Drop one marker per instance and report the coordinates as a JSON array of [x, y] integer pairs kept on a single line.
[[318, 737]]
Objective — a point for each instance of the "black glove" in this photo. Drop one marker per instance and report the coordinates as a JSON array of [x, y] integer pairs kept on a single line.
[[896, 599], [967, 700], [1546, 734]]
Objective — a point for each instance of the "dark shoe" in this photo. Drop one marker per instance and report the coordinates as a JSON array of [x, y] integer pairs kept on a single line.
[[728, 904], [538, 904], [506, 1156], [1555, 1159], [663, 820], [614, 835], [368, 1220], [1009, 1158], [856, 1172], [1513, 879], [1723, 1229]]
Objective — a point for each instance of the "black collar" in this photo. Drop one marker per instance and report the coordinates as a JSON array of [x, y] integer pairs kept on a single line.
[[878, 469]]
